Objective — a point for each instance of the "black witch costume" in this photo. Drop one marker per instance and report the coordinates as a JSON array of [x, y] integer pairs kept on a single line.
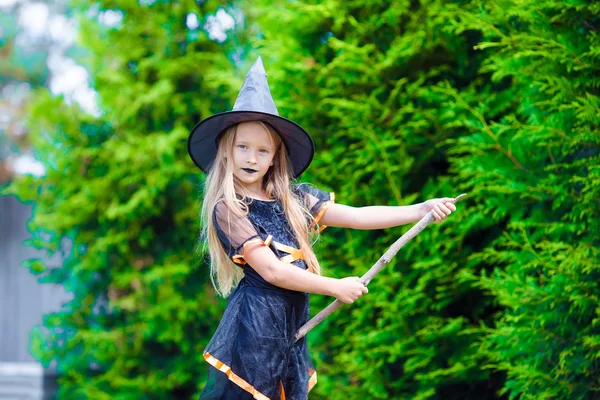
[[253, 351]]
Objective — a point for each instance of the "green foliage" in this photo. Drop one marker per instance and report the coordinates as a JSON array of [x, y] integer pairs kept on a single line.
[[121, 186], [409, 101], [542, 182], [405, 101]]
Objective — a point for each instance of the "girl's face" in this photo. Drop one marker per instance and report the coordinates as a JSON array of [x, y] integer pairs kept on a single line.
[[253, 152]]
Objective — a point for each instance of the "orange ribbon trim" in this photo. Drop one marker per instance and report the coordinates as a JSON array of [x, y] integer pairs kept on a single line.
[[313, 226], [234, 378], [294, 254], [248, 387], [313, 379], [282, 394], [239, 258]]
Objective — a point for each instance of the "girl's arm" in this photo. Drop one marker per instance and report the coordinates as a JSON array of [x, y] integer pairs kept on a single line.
[[265, 262], [380, 217]]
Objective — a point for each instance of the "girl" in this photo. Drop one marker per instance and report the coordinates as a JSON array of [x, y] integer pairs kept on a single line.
[[259, 227]]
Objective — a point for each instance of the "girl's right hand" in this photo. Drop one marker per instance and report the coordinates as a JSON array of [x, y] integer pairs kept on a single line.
[[347, 290]]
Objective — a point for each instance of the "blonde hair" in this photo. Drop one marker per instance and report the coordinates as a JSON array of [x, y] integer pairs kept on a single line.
[[221, 184]]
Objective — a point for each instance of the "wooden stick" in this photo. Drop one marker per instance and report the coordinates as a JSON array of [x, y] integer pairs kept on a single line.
[[378, 266]]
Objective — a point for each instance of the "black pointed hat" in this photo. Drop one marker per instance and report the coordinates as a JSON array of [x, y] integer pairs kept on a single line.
[[254, 103]]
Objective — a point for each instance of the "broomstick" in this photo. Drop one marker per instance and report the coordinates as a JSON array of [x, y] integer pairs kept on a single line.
[[378, 266]]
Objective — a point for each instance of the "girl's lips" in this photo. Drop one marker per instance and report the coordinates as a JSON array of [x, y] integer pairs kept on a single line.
[[248, 170]]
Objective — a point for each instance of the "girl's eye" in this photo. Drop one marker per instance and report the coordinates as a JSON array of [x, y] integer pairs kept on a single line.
[[243, 146]]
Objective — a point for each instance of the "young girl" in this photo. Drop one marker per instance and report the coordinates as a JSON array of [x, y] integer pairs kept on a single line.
[[259, 225]]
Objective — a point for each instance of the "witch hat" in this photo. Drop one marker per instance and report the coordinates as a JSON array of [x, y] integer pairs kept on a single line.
[[254, 103]]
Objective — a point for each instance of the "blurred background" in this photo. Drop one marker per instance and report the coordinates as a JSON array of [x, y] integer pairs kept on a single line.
[[103, 293], [35, 37]]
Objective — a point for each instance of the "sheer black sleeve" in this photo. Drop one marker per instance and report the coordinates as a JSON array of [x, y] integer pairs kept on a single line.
[[235, 232], [317, 201]]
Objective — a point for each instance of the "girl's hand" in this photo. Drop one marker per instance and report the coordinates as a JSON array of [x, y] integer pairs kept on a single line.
[[440, 208], [347, 290]]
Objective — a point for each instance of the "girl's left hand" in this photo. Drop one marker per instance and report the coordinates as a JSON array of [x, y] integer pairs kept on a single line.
[[440, 208]]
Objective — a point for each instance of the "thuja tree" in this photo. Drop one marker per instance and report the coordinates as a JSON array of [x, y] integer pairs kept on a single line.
[[532, 158], [121, 187], [364, 79], [412, 101]]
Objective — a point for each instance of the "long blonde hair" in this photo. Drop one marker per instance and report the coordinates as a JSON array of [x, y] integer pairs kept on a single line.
[[221, 184]]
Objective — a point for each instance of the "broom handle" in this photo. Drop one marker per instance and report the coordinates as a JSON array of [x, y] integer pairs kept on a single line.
[[374, 270]]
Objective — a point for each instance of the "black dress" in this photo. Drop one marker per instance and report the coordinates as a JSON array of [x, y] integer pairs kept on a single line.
[[253, 353]]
